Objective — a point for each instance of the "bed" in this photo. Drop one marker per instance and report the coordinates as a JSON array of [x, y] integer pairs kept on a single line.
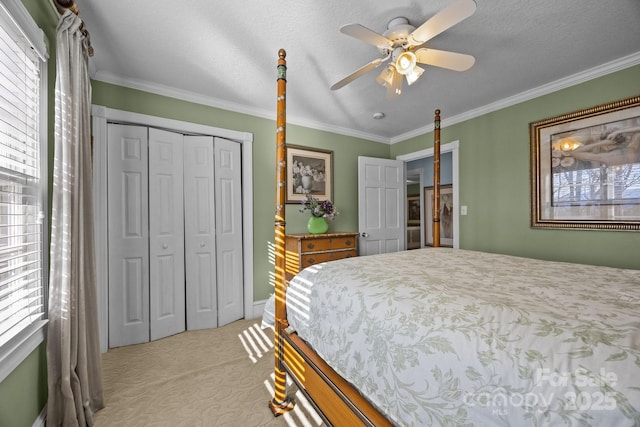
[[442, 336]]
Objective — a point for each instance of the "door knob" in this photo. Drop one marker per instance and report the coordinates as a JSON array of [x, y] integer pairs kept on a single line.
[[202, 244], [365, 235], [165, 246]]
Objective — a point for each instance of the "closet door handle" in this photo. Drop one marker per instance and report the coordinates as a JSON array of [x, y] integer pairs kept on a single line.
[[165, 246], [202, 244]]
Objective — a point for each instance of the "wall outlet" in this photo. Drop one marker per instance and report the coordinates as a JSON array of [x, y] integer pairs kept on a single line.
[[463, 210]]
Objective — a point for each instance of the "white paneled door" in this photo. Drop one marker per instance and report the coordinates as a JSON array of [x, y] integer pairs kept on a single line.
[[229, 230], [175, 233], [200, 233], [128, 213], [381, 205], [166, 234]]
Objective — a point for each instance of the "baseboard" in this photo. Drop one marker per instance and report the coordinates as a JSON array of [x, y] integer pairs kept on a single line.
[[258, 309], [42, 418]]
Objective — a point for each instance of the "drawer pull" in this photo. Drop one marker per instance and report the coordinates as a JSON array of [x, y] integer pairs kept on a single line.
[[311, 261], [311, 246], [348, 242]]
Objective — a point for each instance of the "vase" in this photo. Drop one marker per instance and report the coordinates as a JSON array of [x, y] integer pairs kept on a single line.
[[317, 225], [307, 182]]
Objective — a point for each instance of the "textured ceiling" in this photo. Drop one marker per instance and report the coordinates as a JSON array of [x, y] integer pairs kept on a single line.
[[224, 53]]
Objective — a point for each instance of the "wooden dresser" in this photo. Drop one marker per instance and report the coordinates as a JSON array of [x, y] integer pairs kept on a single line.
[[304, 250]]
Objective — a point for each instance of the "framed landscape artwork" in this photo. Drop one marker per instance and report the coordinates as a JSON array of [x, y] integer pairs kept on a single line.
[[585, 168]]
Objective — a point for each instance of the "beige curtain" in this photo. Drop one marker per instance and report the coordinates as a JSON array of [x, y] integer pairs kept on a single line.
[[73, 349]]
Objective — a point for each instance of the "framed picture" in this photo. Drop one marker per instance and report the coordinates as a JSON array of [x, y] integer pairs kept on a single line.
[[309, 171], [585, 168], [413, 210], [446, 215]]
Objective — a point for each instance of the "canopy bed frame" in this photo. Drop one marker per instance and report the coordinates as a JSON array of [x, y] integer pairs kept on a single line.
[[453, 337], [335, 398]]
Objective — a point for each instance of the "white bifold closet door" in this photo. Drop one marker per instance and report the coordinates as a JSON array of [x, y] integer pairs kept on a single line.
[[200, 232], [166, 235], [229, 230], [213, 231], [128, 213], [175, 235]]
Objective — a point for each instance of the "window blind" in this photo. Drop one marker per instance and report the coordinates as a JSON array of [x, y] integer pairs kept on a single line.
[[21, 228]]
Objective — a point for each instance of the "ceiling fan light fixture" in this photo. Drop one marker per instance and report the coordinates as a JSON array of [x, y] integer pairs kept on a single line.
[[402, 43], [395, 89], [406, 62], [385, 78], [414, 75]]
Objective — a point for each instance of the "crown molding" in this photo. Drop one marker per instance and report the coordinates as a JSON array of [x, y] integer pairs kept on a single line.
[[584, 76], [183, 95]]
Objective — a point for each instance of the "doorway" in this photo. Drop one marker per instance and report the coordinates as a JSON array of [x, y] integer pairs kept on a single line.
[[452, 149]]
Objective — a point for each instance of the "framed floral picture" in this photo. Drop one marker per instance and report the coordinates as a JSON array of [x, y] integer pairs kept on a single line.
[[309, 171]]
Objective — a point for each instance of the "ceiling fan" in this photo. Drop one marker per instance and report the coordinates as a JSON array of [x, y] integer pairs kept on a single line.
[[404, 45]]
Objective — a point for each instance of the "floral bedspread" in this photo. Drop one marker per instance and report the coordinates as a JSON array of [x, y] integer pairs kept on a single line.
[[441, 336]]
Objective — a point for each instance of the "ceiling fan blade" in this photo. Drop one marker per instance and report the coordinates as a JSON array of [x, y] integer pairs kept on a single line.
[[359, 72], [366, 35], [441, 21], [444, 59]]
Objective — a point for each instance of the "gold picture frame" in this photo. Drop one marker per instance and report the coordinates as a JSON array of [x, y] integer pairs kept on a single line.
[[585, 168], [309, 171], [413, 210], [446, 215]]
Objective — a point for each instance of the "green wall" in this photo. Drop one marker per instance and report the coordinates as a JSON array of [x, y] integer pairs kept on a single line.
[[345, 163], [494, 184], [23, 394], [494, 178]]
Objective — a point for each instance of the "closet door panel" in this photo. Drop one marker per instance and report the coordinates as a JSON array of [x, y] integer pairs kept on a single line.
[[128, 235], [200, 229], [228, 187], [166, 234]]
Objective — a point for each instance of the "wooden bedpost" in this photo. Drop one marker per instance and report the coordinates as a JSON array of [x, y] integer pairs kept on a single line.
[[280, 402], [436, 180]]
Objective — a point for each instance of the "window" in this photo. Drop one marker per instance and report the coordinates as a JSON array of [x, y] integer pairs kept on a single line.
[[22, 150], [603, 185]]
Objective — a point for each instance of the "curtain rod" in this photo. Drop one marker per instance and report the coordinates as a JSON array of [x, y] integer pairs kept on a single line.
[[61, 6]]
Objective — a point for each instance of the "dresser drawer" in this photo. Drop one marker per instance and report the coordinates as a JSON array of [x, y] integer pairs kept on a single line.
[[304, 250], [327, 243], [319, 257]]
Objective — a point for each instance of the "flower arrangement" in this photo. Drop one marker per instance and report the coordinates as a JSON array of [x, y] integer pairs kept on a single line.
[[320, 209], [300, 169]]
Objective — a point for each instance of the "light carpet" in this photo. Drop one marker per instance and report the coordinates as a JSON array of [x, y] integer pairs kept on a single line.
[[212, 377]]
